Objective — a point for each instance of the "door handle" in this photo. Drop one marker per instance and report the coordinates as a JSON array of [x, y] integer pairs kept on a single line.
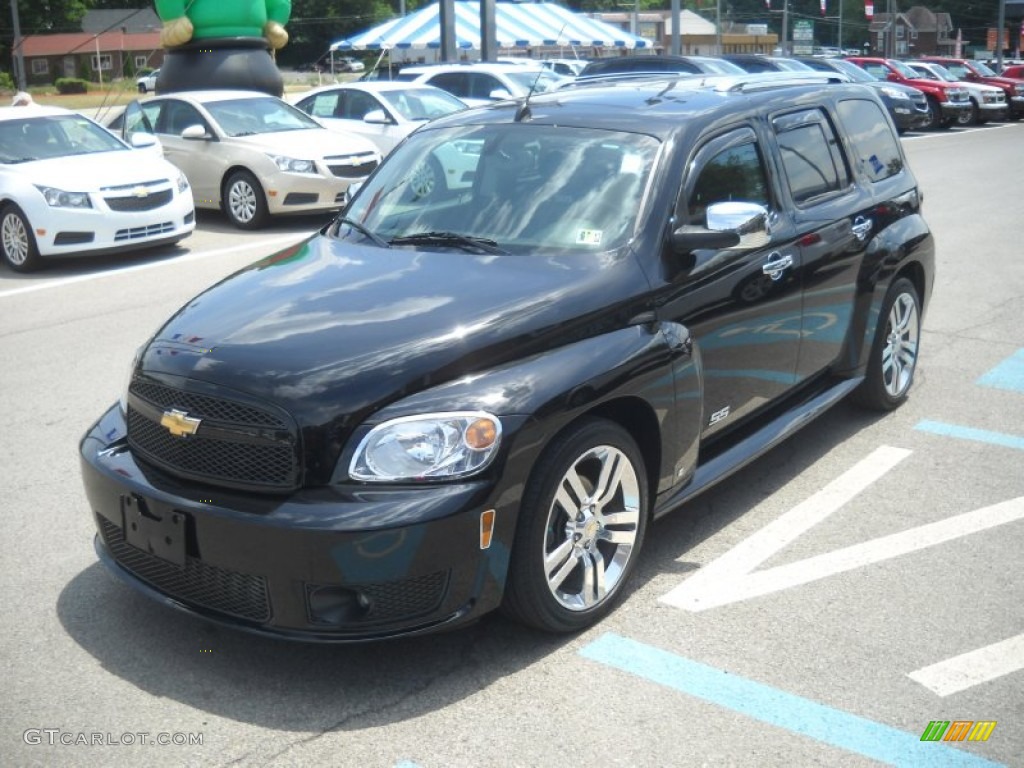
[[776, 265], [861, 228]]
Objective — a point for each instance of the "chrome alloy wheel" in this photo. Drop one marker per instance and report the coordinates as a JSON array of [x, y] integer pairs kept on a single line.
[[15, 238], [242, 201], [424, 180], [591, 528], [900, 351]]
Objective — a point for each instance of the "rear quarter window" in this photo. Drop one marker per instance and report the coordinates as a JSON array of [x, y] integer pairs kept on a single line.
[[875, 148]]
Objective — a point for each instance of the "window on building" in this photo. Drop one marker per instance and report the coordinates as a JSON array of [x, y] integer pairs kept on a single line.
[[141, 61], [101, 63], [40, 66]]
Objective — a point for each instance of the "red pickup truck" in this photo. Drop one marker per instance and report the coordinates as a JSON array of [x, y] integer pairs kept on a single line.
[[946, 101], [977, 72]]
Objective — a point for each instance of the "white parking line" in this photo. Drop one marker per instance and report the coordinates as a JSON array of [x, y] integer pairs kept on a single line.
[[972, 668], [193, 256]]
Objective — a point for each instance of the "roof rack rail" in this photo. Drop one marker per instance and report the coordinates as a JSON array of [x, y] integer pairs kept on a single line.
[[745, 83]]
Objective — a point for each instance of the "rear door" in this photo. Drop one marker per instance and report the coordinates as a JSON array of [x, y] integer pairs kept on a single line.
[[832, 221]]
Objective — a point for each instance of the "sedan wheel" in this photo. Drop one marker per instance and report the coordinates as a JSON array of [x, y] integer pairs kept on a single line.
[[17, 243], [581, 527], [427, 180], [244, 201], [894, 353]]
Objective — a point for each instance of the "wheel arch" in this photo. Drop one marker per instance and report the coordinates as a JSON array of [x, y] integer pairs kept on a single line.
[[228, 172]]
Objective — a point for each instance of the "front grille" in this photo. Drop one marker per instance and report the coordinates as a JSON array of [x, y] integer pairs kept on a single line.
[[237, 594], [144, 203], [134, 233], [204, 406], [351, 168], [236, 444]]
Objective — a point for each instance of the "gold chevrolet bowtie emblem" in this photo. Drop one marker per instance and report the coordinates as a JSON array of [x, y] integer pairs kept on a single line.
[[140, 191], [179, 423]]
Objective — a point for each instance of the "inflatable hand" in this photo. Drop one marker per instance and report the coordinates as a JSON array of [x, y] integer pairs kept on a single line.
[[276, 35], [176, 32]]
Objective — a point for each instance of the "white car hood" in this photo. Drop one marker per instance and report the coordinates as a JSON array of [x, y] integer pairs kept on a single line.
[[88, 173], [309, 144]]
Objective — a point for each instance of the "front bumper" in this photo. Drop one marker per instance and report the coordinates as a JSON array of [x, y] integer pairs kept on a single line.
[[907, 117], [1016, 106], [329, 564], [73, 232], [951, 111]]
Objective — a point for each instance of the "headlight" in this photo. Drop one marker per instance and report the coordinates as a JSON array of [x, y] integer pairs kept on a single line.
[[434, 446], [292, 165], [58, 198], [182, 182], [123, 399], [893, 93]]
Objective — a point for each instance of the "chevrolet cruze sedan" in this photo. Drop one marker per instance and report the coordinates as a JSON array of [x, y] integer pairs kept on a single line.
[[252, 155], [69, 188]]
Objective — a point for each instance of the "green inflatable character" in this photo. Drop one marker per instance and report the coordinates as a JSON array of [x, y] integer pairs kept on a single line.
[[186, 20]]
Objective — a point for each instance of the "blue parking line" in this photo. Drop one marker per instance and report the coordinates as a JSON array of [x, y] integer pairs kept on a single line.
[[971, 433], [778, 708], [1009, 374]]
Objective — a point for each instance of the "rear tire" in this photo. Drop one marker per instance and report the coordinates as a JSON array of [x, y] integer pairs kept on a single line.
[[581, 526], [895, 350]]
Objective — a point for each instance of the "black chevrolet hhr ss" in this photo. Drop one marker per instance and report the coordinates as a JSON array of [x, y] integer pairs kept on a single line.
[[537, 327]]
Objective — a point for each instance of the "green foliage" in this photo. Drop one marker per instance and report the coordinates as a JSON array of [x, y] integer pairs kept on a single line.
[[71, 85], [6, 81]]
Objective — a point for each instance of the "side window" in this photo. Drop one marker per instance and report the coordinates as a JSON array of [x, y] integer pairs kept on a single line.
[[484, 85], [359, 104], [874, 146], [321, 105], [453, 82], [178, 116], [810, 154], [732, 171], [877, 70]]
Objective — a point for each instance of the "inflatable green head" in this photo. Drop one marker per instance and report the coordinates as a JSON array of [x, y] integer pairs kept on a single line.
[[186, 20]]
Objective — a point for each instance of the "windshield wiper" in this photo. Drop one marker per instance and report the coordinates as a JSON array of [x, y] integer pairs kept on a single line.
[[466, 242], [377, 239]]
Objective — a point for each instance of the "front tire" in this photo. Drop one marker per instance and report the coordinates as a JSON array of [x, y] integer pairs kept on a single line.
[[244, 201], [580, 530], [895, 350], [17, 242]]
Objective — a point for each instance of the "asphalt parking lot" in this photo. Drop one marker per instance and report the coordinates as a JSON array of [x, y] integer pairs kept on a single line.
[[839, 602]]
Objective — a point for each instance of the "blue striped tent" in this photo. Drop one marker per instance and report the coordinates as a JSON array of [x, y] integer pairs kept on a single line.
[[519, 25]]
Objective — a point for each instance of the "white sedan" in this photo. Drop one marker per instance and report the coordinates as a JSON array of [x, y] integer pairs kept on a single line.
[[68, 187], [383, 111]]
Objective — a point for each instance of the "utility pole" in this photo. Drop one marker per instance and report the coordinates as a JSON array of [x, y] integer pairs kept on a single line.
[[19, 57], [999, 35], [784, 40]]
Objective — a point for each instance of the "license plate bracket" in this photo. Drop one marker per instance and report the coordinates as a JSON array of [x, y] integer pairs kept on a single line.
[[154, 529]]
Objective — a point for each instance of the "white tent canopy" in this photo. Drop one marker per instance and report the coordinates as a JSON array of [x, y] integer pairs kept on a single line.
[[519, 25]]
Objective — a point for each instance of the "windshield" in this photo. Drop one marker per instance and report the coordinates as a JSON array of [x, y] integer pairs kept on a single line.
[[854, 72], [248, 117], [422, 103], [43, 138], [983, 69], [539, 80], [520, 188], [905, 70], [942, 73], [718, 66]]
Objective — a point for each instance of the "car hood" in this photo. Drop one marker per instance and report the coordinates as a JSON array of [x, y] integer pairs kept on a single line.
[[88, 173], [310, 143], [332, 330]]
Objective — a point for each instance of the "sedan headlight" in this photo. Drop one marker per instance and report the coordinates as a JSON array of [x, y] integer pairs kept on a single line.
[[292, 165], [182, 182], [893, 93], [58, 198], [433, 446]]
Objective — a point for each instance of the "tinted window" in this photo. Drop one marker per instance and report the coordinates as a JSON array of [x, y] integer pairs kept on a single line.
[[734, 174], [876, 150], [810, 154]]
